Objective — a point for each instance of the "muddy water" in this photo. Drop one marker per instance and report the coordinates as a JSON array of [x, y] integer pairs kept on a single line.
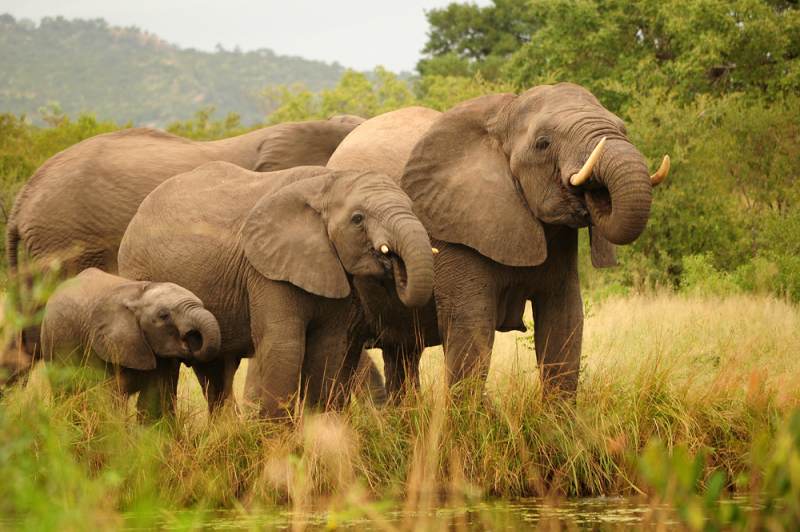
[[579, 514]]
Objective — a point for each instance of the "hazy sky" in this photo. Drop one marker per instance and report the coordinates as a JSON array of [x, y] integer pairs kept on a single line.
[[356, 33]]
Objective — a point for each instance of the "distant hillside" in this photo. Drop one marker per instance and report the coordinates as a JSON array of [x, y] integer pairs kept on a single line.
[[128, 74]]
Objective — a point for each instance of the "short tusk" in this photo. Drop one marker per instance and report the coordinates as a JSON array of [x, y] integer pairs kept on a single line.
[[385, 249], [661, 173], [586, 172], [435, 251]]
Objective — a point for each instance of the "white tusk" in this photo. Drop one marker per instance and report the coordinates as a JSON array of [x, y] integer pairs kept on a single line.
[[435, 251], [661, 173], [586, 172], [384, 249]]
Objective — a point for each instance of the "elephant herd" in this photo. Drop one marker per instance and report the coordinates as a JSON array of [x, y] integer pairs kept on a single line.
[[299, 244]]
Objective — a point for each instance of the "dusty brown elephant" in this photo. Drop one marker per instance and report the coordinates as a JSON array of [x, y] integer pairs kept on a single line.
[[76, 206], [127, 328], [273, 257], [502, 183]]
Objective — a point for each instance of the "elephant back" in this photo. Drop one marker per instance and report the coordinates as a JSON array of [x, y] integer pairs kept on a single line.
[[384, 143]]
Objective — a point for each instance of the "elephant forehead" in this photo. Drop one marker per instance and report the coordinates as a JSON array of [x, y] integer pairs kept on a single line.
[[169, 294], [350, 183]]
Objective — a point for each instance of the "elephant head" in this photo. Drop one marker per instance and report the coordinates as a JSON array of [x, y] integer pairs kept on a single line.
[[491, 170], [137, 321], [315, 231]]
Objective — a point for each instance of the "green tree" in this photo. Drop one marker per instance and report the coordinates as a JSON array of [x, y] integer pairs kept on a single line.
[[356, 94]]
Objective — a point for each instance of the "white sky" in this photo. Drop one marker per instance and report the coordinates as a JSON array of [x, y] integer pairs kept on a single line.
[[357, 33]]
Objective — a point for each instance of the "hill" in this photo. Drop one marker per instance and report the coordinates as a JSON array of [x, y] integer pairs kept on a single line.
[[126, 74]]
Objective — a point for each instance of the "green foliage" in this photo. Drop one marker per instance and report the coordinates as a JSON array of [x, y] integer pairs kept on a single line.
[[466, 39], [126, 74], [355, 94], [700, 500], [620, 49], [202, 127]]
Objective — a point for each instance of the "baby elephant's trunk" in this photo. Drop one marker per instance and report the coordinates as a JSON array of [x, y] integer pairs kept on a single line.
[[201, 334]]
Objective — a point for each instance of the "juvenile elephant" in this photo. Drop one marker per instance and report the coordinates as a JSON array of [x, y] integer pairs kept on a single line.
[[129, 328], [502, 183], [76, 206], [272, 258]]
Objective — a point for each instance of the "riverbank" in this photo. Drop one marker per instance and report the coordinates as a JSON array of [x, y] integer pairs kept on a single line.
[[684, 401]]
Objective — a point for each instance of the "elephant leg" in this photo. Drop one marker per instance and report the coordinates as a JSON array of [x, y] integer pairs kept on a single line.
[[159, 390], [329, 368], [369, 379], [273, 374], [216, 380], [466, 306], [558, 332], [401, 369], [467, 332]]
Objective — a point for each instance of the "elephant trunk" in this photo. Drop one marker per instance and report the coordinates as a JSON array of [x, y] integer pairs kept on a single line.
[[201, 334], [620, 208], [413, 273]]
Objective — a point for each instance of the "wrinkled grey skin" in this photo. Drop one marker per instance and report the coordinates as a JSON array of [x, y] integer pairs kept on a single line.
[[76, 206], [490, 182], [128, 328], [272, 258]]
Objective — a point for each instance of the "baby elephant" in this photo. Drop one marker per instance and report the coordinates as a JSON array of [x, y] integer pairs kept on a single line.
[[128, 328]]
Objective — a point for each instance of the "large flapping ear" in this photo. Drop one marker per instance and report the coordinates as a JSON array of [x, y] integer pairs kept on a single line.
[[301, 144], [116, 335], [603, 253], [285, 239], [463, 191]]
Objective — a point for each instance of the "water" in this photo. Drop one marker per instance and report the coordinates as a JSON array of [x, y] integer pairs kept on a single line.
[[583, 514]]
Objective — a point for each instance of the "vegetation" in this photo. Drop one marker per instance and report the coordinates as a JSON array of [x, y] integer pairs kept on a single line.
[[689, 392], [682, 401], [125, 74]]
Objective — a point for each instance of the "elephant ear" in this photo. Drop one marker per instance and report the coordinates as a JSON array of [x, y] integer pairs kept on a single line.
[[301, 144], [285, 239], [116, 336], [463, 191], [603, 253]]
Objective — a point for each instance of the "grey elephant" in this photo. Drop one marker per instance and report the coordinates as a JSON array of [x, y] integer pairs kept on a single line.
[[76, 206], [272, 258], [502, 183], [129, 329]]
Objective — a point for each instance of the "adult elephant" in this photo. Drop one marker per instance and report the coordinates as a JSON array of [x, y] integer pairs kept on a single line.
[[502, 183], [76, 206], [272, 258]]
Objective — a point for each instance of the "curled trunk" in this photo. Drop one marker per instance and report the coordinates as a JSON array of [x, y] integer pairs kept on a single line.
[[413, 272], [201, 334], [621, 206]]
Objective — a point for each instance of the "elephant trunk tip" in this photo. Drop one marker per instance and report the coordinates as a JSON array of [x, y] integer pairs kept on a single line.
[[202, 340]]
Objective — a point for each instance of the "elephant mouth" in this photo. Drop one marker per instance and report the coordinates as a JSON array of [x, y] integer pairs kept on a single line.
[[598, 203], [395, 268], [192, 342]]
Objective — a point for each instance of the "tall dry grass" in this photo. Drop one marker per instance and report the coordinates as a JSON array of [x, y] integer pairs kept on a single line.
[[711, 375]]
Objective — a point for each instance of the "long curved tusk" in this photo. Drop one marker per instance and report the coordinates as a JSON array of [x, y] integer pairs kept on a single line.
[[586, 172], [661, 173], [385, 249]]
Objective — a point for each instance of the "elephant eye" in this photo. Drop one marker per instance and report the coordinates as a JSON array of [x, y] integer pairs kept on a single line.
[[542, 143], [163, 315], [357, 218]]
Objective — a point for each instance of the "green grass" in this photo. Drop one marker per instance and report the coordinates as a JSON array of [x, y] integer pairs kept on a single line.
[[684, 399]]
